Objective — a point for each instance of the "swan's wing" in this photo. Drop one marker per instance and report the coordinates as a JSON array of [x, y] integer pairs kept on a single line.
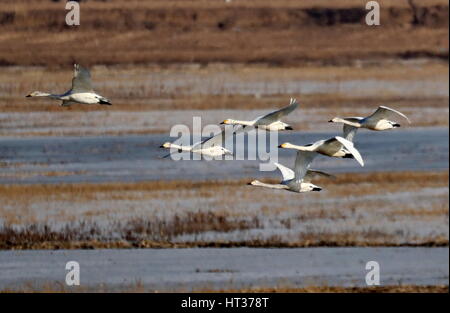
[[287, 173], [67, 103], [237, 129], [277, 115], [349, 132], [311, 174], [331, 144], [81, 81], [351, 148], [302, 163], [214, 140], [384, 112]]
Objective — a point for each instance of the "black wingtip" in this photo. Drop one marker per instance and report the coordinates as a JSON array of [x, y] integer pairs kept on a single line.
[[106, 102]]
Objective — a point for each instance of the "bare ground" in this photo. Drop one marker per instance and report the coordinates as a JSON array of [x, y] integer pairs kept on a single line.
[[139, 288], [279, 33]]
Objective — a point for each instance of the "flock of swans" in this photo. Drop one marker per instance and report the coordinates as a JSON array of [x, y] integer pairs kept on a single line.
[[300, 179], [297, 180]]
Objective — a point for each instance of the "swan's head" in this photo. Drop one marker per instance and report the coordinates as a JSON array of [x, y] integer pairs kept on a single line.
[[307, 187], [334, 120], [37, 94], [286, 145], [227, 122], [166, 145], [254, 183], [226, 151]]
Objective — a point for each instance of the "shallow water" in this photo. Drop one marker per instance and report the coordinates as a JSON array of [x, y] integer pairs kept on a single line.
[[137, 157], [186, 269]]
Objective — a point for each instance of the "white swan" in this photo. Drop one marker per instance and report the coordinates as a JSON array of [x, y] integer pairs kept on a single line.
[[298, 180], [81, 91], [271, 121], [333, 147], [211, 146], [378, 120]]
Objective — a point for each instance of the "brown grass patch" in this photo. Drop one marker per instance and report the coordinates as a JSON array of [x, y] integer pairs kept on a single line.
[[279, 33], [138, 287], [332, 289], [143, 222], [419, 179]]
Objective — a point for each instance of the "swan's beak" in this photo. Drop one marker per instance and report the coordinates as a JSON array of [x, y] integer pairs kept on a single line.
[[289, 128], [161, 146], [27, 96], [283, 145], [396, 125], [330, 121], [316, 189], [225, 122]]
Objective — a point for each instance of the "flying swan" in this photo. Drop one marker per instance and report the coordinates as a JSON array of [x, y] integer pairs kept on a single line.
[[81, 91], [378, 120], [270, 122], [333, 147], [211, 146], [298, 180]]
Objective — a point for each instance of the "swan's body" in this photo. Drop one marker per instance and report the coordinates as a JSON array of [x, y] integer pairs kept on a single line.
[[298, 180], [211, 146], [81, 91], [333, 147], [378, 120], [269, 122]]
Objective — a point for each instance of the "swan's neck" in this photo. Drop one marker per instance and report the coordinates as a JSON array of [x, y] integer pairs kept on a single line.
[[301, 148], [238, 122], [346, 121], [273, 186], [45, 94]]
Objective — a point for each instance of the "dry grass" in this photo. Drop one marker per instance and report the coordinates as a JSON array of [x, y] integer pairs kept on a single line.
[[331, 289], [138, 232], [138, 287], [145, 214], [195, 88], [152, 99], [279, 33], [87, 190]]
